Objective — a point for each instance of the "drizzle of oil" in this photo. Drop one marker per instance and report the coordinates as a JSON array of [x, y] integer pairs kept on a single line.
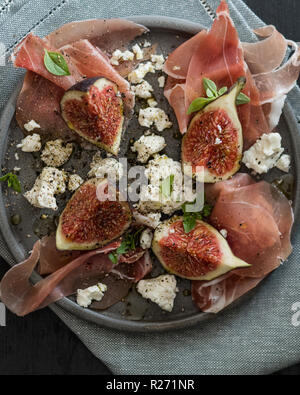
[[136, 306], [44, 226]]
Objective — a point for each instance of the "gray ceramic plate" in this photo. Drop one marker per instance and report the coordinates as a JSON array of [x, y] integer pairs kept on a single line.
[[135, 313]]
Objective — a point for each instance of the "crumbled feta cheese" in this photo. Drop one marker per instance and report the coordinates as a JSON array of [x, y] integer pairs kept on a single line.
[[284, 163], [146, 239], [16, 156], [31, 143], [160, 290], [224, 233], [121, 56], [74, 182], [137, 75], [176, 68], [143, 90], [218, 141], [151, 198], [55, 153], [49, 183], [138, 51], [108, 167], [157, 116], [30, 126], [86, 296], [152, 220], [147, 44], [152, 102], [147, 146], [16, 169], [158, 61], [161, 81], [264, 154]]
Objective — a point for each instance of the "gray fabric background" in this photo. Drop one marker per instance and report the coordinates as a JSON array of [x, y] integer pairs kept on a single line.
[[254, 337]]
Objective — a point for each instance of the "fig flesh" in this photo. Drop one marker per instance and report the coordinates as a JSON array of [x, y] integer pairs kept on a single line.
[[88, 223], [214, 140], [203, 254], [94, 109]]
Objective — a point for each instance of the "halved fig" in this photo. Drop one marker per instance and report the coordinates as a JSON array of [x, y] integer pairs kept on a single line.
[[94, 109], [87, 222], [203, 254], [214, 139]]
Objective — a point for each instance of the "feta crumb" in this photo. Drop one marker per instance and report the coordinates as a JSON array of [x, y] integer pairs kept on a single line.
[[55, 153], [152, 102], [147, 146], [121, 56], [138, 51], [86, 296], [74, 182], [158, 61], [30, 126], [224, 233], [157, 116], [161, 290], [143, 90], [161, 81], [146, 239], [284, 163], [16, 169], [218, 141], [264, 154], [137, 75], [49, 183], [147, 44], [31, 143], [16, 156], [152, 220], [108, 167], [151, 199], [176, 68]]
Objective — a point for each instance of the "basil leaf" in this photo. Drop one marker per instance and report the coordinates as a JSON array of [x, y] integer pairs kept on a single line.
[[222, 90], [209, 93], [189, 223], [113, 257], [166, 187], [12, 181], [242, 99], [209, 84], [207, 209], [199, 103], [55, 63], [123, 249]]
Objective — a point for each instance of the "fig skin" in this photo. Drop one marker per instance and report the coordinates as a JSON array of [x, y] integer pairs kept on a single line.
[[81, 91], [225, 103], [226, 260], [71, 243]]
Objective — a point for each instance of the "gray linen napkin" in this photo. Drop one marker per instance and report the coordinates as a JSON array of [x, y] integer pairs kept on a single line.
[[255, 337]]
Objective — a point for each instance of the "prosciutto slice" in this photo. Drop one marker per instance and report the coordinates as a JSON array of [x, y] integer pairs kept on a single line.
[[266, 55], [78, 270], [258, 219], [175, 94], [106, 34], [30, 55]]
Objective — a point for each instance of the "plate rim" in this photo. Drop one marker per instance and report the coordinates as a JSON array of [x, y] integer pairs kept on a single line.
[[18, 252]]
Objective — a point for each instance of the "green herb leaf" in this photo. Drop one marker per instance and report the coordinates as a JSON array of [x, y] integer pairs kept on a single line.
[[189, 219], [209, 93], [199, 103], [166, 186], [210, 85], [114, 258], [242, 99], [12, 181], [55, 63], [189, 223], [222, 90]]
